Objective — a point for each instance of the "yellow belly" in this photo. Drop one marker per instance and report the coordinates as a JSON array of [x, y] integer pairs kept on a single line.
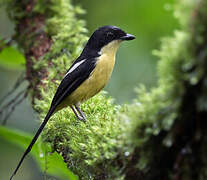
[[97, 79]]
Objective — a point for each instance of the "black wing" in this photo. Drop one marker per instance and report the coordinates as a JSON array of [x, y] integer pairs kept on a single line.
[[70, 82], [73, 80]]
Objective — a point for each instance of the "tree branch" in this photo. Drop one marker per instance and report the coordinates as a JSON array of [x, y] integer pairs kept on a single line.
[[160, 136]]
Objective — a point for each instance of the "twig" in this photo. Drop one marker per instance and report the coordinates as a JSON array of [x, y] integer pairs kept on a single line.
[[19, 81], [11, 101], [14, 102]]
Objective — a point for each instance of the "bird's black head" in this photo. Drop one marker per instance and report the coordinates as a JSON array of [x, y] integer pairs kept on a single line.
[[106, 34]]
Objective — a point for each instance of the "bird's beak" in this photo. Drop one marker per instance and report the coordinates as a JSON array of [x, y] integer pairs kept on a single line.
[[127, 37]]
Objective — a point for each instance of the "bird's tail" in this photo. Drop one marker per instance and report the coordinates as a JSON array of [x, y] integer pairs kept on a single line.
[[47, 117]]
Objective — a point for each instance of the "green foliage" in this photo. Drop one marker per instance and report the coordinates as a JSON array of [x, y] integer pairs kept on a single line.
[[11, 58], [51, 163]]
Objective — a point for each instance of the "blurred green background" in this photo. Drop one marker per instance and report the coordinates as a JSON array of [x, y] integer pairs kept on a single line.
[[147, 20]]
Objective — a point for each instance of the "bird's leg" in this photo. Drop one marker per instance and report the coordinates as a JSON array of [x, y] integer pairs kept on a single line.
[[77, 106], [76, 114]]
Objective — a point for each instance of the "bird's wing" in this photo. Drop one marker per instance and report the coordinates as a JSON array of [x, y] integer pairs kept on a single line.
[[76, 75], [79, 72]]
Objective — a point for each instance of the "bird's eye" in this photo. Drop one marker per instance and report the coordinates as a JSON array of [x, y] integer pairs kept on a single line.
[[110, 35]]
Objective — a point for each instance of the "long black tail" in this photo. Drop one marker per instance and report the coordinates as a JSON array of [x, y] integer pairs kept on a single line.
[[47, 117]]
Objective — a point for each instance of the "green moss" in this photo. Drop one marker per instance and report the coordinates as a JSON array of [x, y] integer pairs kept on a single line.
[[162, 120], [141, 140], [104, 146], [67, 34], [154, 112], [85, 145]]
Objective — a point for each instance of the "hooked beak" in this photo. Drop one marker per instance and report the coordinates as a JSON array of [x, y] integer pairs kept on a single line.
[[127, 37]]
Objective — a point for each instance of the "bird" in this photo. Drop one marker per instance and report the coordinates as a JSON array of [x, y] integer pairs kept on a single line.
[[87, 75]]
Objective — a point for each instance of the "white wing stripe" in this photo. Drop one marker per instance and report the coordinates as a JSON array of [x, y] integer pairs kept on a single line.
[[74, 67]]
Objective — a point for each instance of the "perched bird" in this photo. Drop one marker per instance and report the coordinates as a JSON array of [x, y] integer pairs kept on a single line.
[[87, 75]]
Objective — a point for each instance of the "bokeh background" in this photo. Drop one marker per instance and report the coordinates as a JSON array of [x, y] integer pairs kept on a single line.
[[147, 20]]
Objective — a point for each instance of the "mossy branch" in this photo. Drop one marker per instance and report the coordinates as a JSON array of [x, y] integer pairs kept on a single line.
[[162, 135]]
